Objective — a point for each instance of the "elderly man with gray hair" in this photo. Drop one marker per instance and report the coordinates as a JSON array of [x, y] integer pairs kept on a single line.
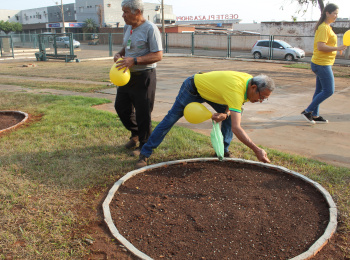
[[225, 92], [142, 48]]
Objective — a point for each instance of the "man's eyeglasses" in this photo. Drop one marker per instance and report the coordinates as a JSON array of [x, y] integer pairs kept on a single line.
[[261, 99]]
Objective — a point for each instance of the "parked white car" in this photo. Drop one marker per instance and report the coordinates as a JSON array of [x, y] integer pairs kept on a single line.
[[64, 42], [280, 50]]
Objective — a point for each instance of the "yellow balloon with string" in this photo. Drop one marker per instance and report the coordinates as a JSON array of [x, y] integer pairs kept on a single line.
[[196, 113]]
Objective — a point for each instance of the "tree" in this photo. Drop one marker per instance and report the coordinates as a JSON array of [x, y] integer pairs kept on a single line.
[[8, 27], [302, 3], [89, 26]]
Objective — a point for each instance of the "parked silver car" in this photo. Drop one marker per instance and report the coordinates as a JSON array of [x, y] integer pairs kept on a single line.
[[280, 50], [64, 42]]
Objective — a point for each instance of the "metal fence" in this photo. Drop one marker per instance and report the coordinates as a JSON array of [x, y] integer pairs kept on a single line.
[[225, 46]]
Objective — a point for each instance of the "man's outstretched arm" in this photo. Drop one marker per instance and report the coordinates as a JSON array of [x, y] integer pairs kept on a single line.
[[244, 138]]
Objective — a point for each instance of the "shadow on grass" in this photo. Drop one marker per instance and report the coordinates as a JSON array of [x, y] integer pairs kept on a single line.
[[72, 168]]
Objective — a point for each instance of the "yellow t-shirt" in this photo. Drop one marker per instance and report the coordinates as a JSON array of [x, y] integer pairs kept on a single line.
[[224, 87], [324, 33]]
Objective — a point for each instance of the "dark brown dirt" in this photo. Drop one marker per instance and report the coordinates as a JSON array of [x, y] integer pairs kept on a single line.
[[219, 210], [8, 119]]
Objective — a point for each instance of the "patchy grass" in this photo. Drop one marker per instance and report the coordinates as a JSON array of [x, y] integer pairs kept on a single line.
[[91, 71], [79, 77], [34, 83], [49, 168]]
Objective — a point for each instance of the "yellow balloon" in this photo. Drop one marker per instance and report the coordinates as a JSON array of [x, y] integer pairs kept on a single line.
[[118, 77], [346, 38], [196, 113]]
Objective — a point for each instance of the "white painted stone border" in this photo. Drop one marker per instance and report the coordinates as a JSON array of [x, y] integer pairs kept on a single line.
[[311, 252], [18, 112]]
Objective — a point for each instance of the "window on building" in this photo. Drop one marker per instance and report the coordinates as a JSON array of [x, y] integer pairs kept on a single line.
[[81, 9]]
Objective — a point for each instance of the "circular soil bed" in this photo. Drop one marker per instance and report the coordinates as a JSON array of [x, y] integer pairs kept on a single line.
[[207, 209], [11, 119]]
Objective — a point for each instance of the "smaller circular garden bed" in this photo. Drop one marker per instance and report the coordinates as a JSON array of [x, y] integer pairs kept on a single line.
[[11, 119]]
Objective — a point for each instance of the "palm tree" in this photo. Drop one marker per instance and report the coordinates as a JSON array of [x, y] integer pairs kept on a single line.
[[90, 26]]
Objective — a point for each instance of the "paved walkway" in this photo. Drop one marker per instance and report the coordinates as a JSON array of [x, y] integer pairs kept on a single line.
[[276, 123]]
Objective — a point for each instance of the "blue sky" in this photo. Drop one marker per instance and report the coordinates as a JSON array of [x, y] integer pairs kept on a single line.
[[247, 10]]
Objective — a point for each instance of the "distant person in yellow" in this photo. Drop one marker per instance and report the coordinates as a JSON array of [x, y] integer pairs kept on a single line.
[[225, 92], [325, 51]]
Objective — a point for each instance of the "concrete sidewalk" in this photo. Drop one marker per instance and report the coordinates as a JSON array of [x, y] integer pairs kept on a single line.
[[275, 123]]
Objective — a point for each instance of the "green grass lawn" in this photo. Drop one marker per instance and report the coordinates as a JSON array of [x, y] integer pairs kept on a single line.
[[50, 166]]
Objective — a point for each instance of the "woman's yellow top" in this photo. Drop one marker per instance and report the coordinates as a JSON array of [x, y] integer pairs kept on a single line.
[[324, 33]]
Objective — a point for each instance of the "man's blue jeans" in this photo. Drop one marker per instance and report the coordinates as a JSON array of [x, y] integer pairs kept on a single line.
[[324, 87], [187, 94]]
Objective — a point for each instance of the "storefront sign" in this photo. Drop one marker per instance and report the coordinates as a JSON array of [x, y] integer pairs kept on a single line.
[[207, 17], [53, 25], [59, 25], [76, 25]]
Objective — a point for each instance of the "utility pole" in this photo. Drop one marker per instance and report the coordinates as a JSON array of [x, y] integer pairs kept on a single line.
[[100, 15], [163, 27], [62, 11]]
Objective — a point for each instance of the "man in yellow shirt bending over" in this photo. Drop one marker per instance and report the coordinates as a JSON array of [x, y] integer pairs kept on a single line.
[[225, 92]]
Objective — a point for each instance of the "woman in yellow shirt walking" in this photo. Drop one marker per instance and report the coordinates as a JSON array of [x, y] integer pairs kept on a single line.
[[325, 51]]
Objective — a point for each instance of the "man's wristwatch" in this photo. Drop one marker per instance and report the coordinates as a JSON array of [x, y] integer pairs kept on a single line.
[[135, 61]]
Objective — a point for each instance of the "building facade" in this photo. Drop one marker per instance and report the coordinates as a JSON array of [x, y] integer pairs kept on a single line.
[[9, 15], [106, 13]]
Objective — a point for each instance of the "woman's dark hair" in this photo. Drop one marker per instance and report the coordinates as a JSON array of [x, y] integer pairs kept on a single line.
[[330, 8]]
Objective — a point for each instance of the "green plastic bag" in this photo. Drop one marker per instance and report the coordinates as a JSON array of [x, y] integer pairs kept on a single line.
[[217, 140]]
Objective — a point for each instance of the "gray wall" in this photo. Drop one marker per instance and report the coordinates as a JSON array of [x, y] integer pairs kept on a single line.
[[54, 13], [238, 42], [87, 9]]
